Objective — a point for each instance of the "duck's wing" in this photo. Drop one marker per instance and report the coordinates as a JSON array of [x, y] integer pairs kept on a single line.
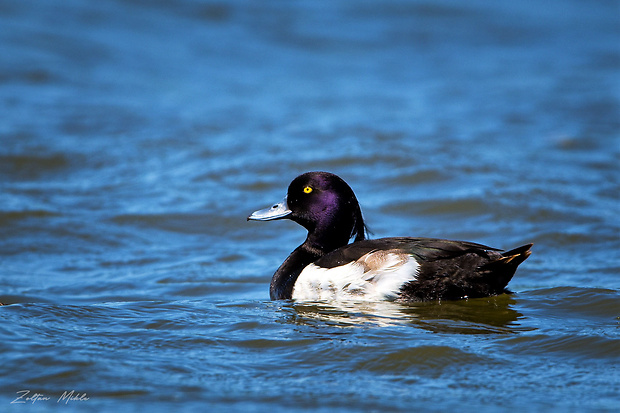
[[457, 269]]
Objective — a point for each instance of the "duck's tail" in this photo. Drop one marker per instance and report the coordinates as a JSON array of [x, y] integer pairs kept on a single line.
[[503, 269], [516, 256]]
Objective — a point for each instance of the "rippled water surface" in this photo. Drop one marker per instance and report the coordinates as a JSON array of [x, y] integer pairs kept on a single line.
[[137, 136]]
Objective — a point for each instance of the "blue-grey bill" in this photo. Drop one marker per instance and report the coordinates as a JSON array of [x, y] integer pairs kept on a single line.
[[277, 211]]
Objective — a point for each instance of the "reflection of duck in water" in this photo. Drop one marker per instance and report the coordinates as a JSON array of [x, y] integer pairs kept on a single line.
[[326, 267], [472, 316]]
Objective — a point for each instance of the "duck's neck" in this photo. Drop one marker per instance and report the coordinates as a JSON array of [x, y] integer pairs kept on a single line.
[[283, 280], [312, 249]]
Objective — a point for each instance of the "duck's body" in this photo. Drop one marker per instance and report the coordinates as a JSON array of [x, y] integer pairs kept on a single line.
[[327, 267]]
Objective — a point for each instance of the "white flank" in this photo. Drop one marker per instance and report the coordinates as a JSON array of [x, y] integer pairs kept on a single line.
[[378, 275]]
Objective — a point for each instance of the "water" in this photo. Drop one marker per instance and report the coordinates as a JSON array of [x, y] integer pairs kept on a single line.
[[137, 137]]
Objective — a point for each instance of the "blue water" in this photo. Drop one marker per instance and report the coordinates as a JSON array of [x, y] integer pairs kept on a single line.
[[137, 136]]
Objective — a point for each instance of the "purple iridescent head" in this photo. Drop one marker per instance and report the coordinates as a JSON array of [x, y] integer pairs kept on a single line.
[[322, 203]]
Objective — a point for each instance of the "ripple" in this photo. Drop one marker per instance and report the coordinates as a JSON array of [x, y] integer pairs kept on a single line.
[[461, 207], [417, 177], [182, 223], [435, 358], [569, 346], [10, 217], [27, 167], [595, 303]]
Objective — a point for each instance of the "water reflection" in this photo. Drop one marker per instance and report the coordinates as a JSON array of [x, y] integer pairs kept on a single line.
[[474, 316]]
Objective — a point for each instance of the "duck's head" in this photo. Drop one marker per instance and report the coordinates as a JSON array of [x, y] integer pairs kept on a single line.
[[322, 203]]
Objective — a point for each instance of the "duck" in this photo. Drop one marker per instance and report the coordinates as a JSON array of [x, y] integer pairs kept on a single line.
[[327, 266]]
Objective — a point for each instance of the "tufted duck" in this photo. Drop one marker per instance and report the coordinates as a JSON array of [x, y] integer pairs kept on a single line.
[[327, 267]]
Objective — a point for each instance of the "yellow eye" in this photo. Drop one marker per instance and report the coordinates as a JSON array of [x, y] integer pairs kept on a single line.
[[307, 190]]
